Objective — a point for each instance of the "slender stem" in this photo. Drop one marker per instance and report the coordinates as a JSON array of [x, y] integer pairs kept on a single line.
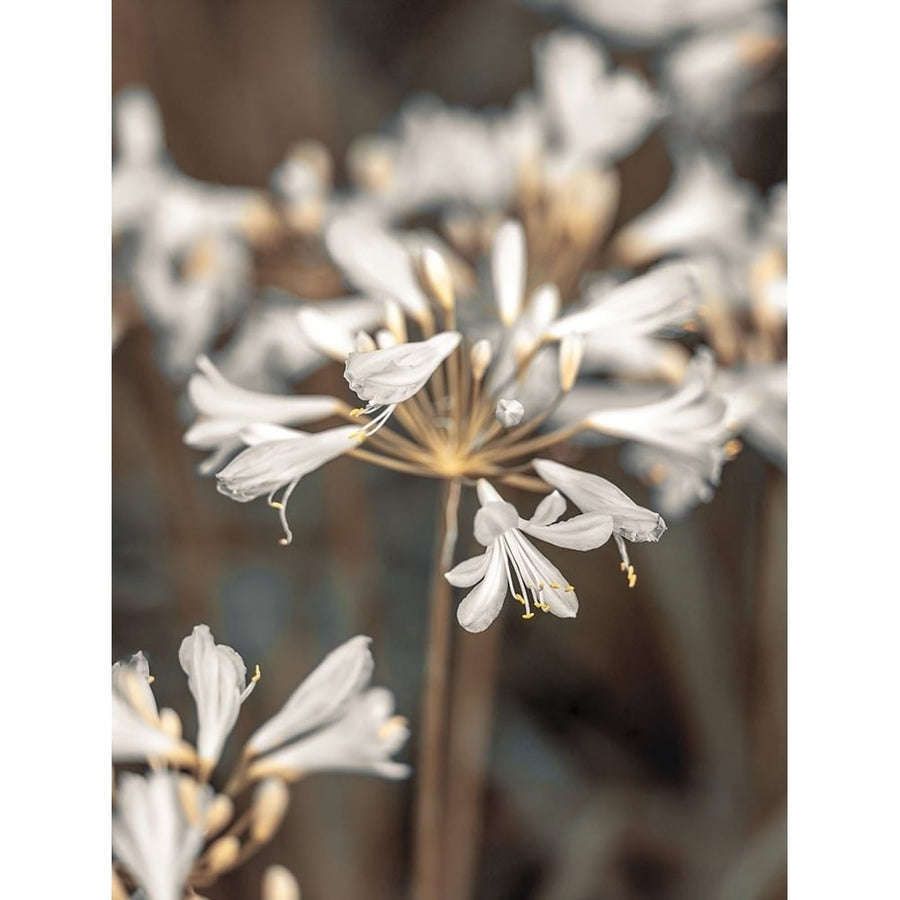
[[471, 717], [427, 873]]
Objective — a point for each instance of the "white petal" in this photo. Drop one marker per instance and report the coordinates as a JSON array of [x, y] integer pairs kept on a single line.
[[469, 571], [549, 509], [508, 270], [492, 520], [321, 696], [482, 605], [584, 532]]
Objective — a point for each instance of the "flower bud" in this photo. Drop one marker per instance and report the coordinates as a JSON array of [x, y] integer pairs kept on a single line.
[[509, 412], [279, 884], [270, 802], [435, 276], [480, 356], [571, 352]]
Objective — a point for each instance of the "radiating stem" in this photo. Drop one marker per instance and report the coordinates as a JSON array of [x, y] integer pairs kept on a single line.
[[431, 768]]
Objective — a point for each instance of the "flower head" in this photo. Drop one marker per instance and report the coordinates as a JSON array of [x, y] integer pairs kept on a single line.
[[512, 563]]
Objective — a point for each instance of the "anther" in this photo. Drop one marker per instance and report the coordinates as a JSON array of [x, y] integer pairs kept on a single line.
[[520, 598], [276, 505], [554, 585], [528, 615], [151, 679], [256, 675], [569, 588], [356, 413]]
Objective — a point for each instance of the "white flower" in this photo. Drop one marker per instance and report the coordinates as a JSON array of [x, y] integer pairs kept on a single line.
[[375, 262], [512, 563], [137, 733], [706, 209], [151, 834], [362, 739], [757, 406], [217, 680], [225, 409], [593, 113], [388, 376], [665, 297], [262, 469], [690, 423], [322, 696], [593, 494]]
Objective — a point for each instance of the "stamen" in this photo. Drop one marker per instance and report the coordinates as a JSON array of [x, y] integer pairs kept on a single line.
[[282, 513], [733, 447], [151, 679], [528, 615], [257, 674]]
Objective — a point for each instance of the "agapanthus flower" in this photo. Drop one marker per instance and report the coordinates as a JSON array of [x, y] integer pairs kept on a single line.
[[593, 494], [512, 564], [152, 834], [224, 409], [138, 733], [332, 722], [217, 680]]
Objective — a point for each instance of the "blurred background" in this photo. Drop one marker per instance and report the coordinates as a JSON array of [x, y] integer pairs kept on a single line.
[[638, 751]]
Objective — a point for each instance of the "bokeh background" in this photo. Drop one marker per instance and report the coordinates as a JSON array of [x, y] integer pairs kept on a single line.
[[638, 751]]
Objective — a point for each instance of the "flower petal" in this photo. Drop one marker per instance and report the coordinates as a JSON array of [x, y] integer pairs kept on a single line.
[[549, 509], [482, 605], [584, 532], [468, 572], [494, 519]]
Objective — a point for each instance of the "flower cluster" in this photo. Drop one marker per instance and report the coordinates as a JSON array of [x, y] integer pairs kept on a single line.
[[171, 828]]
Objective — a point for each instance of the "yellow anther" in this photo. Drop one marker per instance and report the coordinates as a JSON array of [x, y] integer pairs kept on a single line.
[[622, 566], [151, 679], [554, 585], [390, 726], [541, 586], [528, 615], [569, 588], [283, 541], [256, 675], [544, 607], [632, 580], [356, 413], [733, 447], [520, 598], [275, 504]]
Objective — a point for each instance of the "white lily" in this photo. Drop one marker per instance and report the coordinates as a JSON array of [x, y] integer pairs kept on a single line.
[[511, 563], [321, 697], [281, 462], [593, 494], [225, 409], [217, 680], [152, 835], [362, 739]]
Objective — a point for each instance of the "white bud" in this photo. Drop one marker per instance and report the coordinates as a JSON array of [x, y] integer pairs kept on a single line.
[[509, 412], [279, 884], [480, 355], [436, 277], [270, 802], [571, 351]]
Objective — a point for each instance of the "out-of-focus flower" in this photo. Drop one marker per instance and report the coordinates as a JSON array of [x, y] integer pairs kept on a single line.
[[511, 563], [593, 494], [217, 680], [332, 723], [138, 734], [279, 884], [704, 76], [224, 410], [152, 835], [653, 22], [593, 113], [706, 209]]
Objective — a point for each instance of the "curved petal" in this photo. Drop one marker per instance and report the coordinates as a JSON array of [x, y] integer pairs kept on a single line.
[[482, 604], [469, 571], [584, 532], [549, 509], [494, 519]]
